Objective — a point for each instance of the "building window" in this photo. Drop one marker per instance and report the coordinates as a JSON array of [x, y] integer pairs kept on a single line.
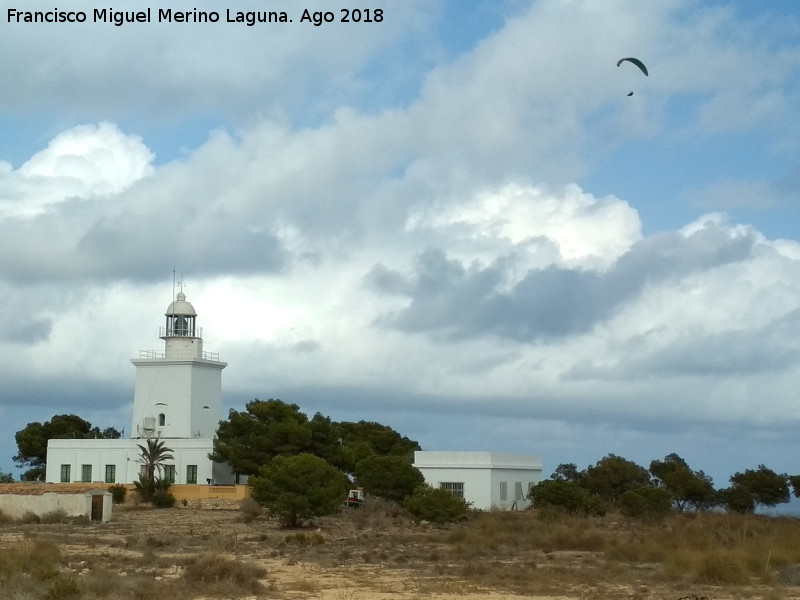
[[503, 491], [454, 487], [191, 473], [66, 475], [169, 473], [86, 473], [162, 419], [111, 473], [518, 495]]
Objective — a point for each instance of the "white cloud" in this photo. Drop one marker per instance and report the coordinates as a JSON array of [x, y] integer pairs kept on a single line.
[[83, 162]]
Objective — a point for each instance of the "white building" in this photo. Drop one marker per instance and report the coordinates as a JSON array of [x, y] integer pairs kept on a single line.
[[177, 398], [487, 480]]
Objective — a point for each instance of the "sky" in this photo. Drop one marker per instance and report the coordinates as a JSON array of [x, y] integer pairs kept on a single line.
[[456, 220]]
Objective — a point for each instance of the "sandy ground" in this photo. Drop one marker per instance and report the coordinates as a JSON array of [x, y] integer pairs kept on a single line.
[[334, 561]]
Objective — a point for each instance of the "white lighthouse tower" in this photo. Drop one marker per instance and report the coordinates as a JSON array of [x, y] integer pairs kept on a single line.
[[177, 398], [178, 392]]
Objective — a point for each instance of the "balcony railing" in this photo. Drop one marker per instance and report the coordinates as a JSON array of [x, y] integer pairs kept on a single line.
[[156, 355]]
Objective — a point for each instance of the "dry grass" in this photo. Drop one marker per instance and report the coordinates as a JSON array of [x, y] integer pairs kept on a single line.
[[186, 554]]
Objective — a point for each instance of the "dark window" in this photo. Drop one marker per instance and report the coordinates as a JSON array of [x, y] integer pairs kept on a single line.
[[169, 473], [191, 473], [66, 475], [111, 473]]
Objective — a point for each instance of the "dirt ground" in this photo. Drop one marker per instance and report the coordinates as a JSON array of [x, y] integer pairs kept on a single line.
[[356, 556]]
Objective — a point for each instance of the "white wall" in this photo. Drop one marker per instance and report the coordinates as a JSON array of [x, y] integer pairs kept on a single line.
[[124, 453], [179, 390], [75, 505], [482, 474]]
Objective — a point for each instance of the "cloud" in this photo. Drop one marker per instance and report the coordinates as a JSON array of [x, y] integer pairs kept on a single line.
[[555, 300], [87, 161]]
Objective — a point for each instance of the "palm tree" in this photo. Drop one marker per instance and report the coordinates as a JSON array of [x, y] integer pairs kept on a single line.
[[153, 456]]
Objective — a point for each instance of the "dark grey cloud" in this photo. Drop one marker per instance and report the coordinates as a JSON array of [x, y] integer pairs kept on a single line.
[[458, 301], [60, 246], [742, 350]]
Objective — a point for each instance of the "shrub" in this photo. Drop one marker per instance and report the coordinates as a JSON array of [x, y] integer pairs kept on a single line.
[[721, 569], [64, 587], [29, 517], [250, 509], [435, 505], [58, 515], [218, 571], [118, 493], [162, 499], [647, 503], [566, 495], [295, 488], [389, 477]]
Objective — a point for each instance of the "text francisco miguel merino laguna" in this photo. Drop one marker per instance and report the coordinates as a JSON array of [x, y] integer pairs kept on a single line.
[[168, 15]]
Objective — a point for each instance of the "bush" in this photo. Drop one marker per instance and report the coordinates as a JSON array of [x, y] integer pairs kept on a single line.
[[647, 503], [566, 495], [118, 493], [435, 505], [230, 576], [30, 517], [389, 477], [64, 587], [295, 488], [721, 569], [56, 516], [250, 509], [162, 499]]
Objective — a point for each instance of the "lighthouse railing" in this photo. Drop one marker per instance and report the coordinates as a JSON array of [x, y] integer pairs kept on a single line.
[[156, 354]]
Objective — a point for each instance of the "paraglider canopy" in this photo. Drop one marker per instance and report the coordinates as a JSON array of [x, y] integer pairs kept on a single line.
[[636, 62]]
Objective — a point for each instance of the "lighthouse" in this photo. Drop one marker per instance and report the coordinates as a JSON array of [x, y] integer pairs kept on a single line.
[[177, 398], [178, 390]]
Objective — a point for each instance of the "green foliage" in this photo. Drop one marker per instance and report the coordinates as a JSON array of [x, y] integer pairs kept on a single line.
[[646, 503], [435, 505], [687, 487], [297, 488], [267, 429], [567, 472], [736, 499], [366, 438], [118, 493], [32, 441], [162, 499], [766, 487], [390, 477], [559, 493], [612, 476], [6, 477], [247, 440], [153, 455]]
